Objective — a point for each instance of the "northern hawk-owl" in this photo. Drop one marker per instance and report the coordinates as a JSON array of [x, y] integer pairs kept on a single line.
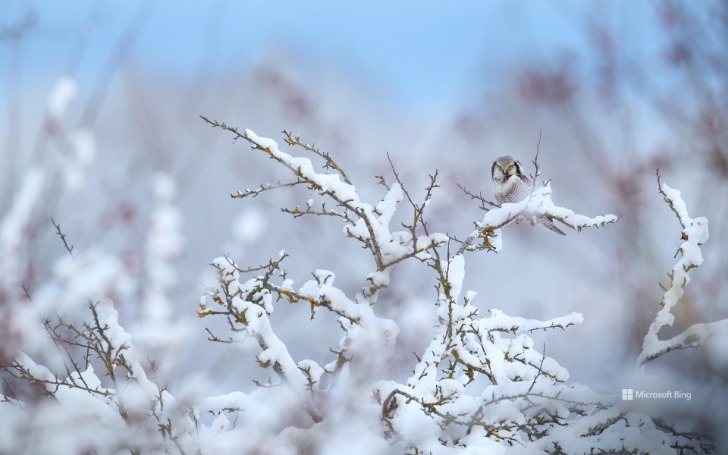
[[510, 184]]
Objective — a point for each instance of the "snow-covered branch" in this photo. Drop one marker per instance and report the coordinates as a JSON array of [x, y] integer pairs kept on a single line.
[[481, 385], [519, 381], [538, 205], [132, 402], [365, 222], [694, 234]]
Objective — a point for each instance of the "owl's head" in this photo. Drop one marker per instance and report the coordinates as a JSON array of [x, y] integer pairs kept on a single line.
[[505, 167]]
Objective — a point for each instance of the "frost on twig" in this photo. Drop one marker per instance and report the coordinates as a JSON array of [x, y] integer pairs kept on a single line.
[[694, 234]]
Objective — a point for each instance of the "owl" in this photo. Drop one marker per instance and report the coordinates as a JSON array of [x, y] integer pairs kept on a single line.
[[510, 184]]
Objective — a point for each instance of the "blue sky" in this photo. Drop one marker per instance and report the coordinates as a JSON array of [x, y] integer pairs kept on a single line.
[[421, 52]]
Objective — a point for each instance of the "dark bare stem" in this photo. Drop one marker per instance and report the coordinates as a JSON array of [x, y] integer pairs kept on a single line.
[[540, 369], [535, 176], [668, 200], [60, 233], [484, 203], [266, 187]]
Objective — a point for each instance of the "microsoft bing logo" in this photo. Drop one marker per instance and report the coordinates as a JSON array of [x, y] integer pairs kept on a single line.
[[632, 394]]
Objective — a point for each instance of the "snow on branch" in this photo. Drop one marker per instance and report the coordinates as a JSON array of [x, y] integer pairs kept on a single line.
[[480, 385], [537, 208], [364, 222], [129, 401], [694, 234], [247, 306], [538, 205]]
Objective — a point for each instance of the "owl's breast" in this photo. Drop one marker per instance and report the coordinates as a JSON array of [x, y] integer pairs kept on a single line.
[[513, 190]]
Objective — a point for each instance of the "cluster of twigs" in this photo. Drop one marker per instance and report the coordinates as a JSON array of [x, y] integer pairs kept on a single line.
[[465, 341]]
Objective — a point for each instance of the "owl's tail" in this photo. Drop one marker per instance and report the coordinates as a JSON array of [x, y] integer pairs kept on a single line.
[[546, 221]]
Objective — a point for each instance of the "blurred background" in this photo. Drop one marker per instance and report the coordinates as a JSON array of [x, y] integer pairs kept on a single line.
[[100, 131]]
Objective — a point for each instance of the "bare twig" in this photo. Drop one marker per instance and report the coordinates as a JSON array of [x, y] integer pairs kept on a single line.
[[382, 181], [266, 187], [484, 203], [297, 212], [270, 267], [60, 233], [26, 292], [417, 210], [535, 176], [540, 370]]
